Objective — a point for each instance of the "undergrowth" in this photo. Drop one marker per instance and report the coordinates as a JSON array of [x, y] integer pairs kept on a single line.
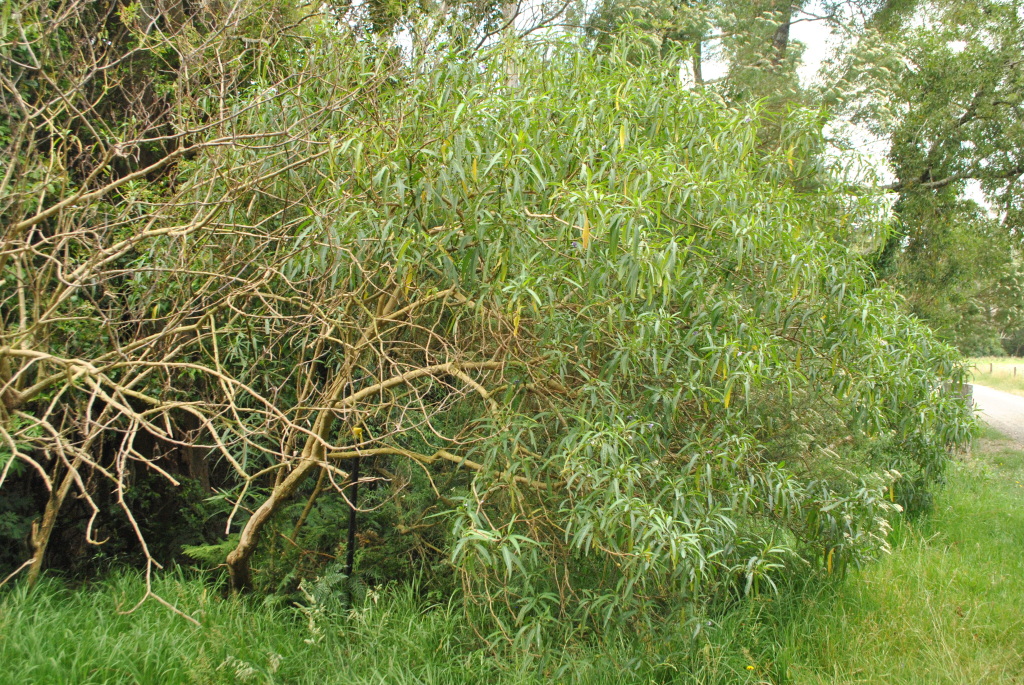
[[945, 607]]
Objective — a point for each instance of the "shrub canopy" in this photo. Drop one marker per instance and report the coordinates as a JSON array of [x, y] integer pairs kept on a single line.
[[592, 341]]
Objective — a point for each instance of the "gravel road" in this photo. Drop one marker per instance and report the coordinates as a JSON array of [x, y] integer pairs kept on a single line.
[[1001, 410]]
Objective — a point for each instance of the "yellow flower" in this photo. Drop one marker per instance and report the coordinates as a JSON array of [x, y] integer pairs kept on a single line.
[[750, 668]]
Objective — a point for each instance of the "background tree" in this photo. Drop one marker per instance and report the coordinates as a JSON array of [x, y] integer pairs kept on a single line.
[[943, 83]]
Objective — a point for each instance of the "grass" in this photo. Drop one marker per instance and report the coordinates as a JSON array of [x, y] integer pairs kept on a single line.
[[56, 635], [946, 607], [1002, 375]]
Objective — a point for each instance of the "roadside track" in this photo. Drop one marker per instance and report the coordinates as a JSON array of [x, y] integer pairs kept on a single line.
[[1001, 410]]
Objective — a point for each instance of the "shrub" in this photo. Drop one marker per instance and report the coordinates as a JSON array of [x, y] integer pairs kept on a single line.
[[621, 343]]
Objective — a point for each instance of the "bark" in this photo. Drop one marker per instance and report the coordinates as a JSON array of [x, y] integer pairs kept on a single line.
[[42, 531], [312, 456], [780, 41], [698, 58], [508, 15], [317, 489]]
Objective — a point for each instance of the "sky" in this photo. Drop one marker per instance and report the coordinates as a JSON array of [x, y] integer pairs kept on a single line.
[[818, 39]]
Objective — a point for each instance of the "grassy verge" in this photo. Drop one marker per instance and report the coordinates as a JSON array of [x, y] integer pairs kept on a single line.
[[946, 607], [55, 635], [1001, 373]]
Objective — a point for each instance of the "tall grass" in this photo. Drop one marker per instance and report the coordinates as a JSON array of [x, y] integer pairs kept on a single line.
[[57, 635], [946, 607], [1001, 373]]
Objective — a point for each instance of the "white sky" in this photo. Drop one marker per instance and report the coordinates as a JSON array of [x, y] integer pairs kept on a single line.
[[817, 36]]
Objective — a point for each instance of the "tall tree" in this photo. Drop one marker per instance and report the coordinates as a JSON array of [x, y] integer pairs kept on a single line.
[[943, 82]]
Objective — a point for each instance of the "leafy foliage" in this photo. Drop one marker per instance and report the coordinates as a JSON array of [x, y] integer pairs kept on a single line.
[[942, 82], [621, 343]]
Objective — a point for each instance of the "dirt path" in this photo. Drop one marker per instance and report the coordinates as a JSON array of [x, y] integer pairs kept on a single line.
[[1001, 410]]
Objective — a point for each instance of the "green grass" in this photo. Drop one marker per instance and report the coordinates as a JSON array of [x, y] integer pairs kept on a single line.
[[1001, 376], [946, 607], [57, 635]]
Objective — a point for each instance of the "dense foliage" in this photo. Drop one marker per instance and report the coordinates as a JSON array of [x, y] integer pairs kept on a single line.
[[578, 337], [943, 83]]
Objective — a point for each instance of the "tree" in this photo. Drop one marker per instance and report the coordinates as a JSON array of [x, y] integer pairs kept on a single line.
[[109, 244], [943, 83], [957, 272]]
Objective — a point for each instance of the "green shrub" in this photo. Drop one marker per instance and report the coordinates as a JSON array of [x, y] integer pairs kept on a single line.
[[621, 343]]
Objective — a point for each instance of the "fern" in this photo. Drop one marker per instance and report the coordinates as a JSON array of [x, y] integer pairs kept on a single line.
[[212, 555]]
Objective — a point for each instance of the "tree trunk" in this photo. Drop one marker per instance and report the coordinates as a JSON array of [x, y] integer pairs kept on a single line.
[[41, 532], [780, 41], [698, 67], [509, 12], [317, 489], [312, 457]]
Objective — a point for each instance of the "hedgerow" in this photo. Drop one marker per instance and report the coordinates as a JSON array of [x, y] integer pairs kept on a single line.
[[574, 335]]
